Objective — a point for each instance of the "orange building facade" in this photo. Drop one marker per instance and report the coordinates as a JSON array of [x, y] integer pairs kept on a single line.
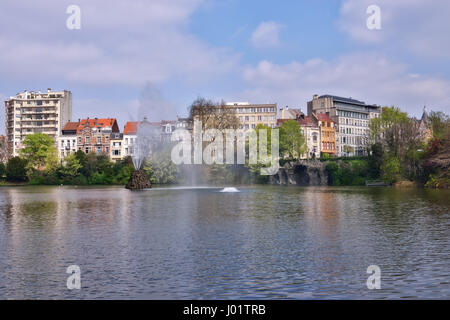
[[327, 134]]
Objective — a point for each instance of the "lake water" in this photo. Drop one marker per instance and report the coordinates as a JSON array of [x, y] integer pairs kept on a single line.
[[264, 242]]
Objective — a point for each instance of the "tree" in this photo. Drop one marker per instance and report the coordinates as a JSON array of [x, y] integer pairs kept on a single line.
[[40, 152], [375, 160], [2, 170], [395, 131], [292, 141], [16, 169], [71, 166], [214, 115], [440, 123], [3, 150], [391, 169], [160, 168]]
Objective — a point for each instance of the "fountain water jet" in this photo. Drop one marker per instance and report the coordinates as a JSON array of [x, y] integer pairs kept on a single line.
[[148, 137]]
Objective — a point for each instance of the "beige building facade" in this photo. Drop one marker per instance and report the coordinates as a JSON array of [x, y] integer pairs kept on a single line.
[[31, 112], [250, 115]]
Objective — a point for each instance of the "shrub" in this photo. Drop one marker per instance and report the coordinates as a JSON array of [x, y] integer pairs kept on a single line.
[[16, 169], [2, 170]]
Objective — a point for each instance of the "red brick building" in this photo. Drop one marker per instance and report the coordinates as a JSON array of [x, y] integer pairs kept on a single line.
[[93, 135]]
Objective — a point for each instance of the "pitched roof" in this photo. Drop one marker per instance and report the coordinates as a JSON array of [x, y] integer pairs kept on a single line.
[[130, 127], [323, 117], [306, 121], [97, 123], [70, 126]]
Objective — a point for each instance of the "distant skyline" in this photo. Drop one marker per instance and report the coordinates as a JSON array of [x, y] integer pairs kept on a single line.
[[154, 58]]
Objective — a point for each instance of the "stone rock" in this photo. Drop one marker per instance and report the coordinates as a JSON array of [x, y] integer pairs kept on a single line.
[[138, 180]]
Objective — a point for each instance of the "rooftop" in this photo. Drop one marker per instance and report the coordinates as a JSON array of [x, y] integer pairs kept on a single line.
[[342, 99]]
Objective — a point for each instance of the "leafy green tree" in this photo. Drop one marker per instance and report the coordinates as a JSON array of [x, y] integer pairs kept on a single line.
[[440, 123], [40, 152], [160, 168], [16, 169], [292, 141], [391, 169], [375, 160], [71, 166]]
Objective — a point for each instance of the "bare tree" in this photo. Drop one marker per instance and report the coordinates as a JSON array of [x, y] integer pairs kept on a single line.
[[215, 115]]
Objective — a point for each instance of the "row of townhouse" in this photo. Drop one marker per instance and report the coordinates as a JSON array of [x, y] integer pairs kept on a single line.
[[102, 136], [334, 125], [318, 130]]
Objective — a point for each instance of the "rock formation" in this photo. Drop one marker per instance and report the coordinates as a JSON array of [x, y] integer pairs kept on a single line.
[[301, 173], [138, 180]]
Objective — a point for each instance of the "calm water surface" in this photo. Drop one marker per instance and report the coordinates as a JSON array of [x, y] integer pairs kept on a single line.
[[263, 242]]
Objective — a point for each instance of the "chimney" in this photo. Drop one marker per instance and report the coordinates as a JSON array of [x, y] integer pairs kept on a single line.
[[315, 97], [49, 89]]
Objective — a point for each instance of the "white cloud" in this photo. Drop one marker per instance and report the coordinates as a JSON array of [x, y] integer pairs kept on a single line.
[[267, 34], [119, 43], [369, 77], [419, 26]]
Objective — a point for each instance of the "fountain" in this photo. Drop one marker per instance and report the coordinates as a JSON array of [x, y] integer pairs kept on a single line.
[[148, 136], [230, 189]]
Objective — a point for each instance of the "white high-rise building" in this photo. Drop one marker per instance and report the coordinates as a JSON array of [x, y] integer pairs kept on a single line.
[[30, 112], [352, 119]]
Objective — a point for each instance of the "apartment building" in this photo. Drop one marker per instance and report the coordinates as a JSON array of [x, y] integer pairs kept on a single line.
[[93, 135], [67, 141], [352, 119], [129, 138], [167, 127], [116, 152], [31, 112], [311, 131], [250, 115]]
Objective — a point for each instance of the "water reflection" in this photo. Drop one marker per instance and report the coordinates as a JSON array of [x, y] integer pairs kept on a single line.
[[263, 242]]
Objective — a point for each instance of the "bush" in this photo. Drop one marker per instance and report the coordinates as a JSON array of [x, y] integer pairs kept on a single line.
[[347, 173], [79, 180], [16, 169], [2, 170], [38, 178]]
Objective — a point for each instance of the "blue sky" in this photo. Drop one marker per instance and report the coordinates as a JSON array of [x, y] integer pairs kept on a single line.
[[154, 57]]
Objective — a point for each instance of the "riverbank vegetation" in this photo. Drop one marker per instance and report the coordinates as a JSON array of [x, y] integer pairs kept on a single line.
[[398, 150]]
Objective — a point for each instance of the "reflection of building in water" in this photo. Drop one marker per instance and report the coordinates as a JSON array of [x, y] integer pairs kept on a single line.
[[321, 212]]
